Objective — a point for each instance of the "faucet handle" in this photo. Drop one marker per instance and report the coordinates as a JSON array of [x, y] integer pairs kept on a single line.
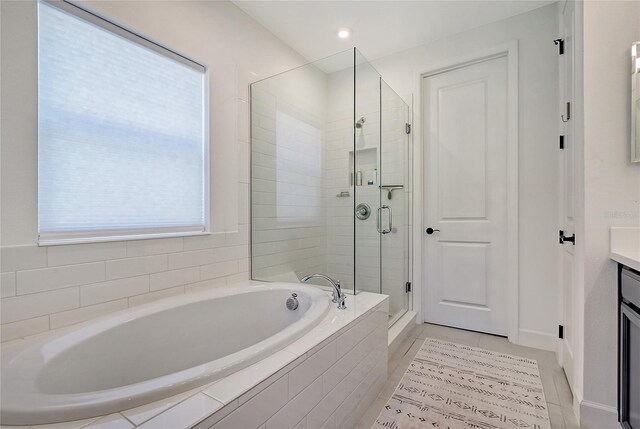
[[341, 302]]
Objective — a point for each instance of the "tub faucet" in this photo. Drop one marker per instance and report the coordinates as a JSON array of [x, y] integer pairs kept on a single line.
[[338, 296]]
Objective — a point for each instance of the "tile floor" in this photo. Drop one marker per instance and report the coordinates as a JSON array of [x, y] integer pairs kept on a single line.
[[556, 388]]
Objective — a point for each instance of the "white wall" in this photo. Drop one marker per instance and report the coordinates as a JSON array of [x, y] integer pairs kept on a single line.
[[611, 192], [50, 287], [538, 136]]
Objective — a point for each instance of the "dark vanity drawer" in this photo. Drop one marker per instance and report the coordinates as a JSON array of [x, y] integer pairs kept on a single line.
[[630, 283]]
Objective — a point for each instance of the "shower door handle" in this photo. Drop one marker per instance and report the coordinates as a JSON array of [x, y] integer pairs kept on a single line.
[[390, 220], [379, 226]]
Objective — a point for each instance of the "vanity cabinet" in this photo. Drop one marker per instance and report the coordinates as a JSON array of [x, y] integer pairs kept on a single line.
[[629, 348]]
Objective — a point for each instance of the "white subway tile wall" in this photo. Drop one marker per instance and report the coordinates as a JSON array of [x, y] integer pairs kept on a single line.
[[50, 287], [8, 284], [287, 161], [338, 171], [130, 267], [114, 289]]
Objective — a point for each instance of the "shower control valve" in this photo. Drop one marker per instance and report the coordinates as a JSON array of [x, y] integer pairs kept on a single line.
[[363, 211]]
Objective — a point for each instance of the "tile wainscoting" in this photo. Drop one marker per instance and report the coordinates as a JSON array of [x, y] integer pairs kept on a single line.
[[50, 287]]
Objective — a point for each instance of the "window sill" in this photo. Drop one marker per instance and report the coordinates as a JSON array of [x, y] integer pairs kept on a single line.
[[59, 241]]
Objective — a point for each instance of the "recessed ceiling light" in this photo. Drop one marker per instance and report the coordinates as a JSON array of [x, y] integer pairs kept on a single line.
[[343, 33]]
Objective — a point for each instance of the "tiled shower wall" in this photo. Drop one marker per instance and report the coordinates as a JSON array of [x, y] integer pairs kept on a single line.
[[301, 226], [339, 210], [289, 241], [288, 115]]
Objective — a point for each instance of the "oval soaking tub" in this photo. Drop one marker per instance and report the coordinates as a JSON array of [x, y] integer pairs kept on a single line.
[[147, 353]]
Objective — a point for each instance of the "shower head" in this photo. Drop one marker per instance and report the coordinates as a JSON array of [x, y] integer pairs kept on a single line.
[[360, 122]]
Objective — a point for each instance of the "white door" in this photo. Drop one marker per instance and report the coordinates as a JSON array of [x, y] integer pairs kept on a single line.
[[568, 196], [466, 134]]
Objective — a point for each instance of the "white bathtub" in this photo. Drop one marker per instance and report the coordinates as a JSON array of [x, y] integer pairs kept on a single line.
[[151, 352]]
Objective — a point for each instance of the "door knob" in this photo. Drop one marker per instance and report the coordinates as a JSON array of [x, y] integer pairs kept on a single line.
[[431, 230]]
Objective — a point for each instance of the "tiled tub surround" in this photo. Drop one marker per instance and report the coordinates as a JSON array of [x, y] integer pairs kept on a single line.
[[163, 349], [326, 379], [50, 287]]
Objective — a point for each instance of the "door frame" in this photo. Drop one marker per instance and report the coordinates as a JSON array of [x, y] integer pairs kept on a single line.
[[510, 51]]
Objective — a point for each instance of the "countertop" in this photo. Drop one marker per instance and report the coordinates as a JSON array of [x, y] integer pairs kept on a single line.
[[630, 259], [625, 246]]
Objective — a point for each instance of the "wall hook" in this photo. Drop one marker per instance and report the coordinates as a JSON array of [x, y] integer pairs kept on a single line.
[[568, 113], [560, 44]]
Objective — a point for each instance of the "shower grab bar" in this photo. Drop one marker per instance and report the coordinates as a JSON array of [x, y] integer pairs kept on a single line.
[[390, 189], [379, 225]]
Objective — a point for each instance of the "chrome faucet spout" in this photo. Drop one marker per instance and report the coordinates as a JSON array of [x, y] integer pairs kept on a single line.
[[338, 296]]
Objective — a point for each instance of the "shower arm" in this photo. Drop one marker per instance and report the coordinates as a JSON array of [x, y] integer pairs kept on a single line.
[[390, 189]]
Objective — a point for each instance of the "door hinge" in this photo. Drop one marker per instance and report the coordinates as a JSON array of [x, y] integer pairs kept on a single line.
[[560, 44], [408, 286], [407, 128], [562, 238], [560, 331], [561, 142]]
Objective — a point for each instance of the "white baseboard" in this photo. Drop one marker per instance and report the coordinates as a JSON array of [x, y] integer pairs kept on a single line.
[[598, 416], [537, 339]]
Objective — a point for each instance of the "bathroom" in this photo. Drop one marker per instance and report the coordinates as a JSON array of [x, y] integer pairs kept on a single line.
[[238, 214]]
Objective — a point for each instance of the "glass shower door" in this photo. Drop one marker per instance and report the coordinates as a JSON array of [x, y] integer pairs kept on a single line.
[[395, 200], [381, 172]]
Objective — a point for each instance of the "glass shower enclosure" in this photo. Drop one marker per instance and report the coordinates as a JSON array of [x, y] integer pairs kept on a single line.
[[330, 179]]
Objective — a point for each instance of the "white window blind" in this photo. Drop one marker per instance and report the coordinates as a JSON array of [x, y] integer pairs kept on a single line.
[[122, 135]]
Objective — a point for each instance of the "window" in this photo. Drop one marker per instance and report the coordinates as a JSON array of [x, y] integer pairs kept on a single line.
[[122, 133]]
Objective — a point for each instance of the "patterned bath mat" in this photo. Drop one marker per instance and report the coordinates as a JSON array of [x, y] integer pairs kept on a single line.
[[452, 386]]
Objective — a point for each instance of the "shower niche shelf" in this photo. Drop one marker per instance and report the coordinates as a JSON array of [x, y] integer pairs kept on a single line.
[[367, 161]]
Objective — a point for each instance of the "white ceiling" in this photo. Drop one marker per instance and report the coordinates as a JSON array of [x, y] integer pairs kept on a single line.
[[379, 28]]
